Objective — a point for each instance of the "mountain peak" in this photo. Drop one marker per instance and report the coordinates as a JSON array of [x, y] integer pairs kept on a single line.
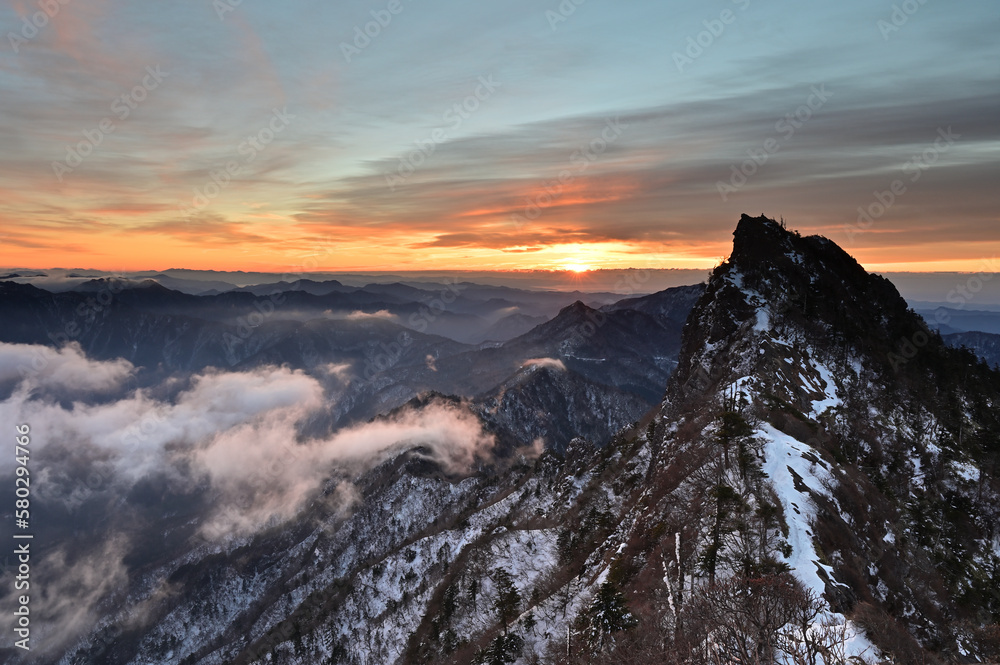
[[116, 284], [756, 238], [760, 224], [577, 307], [780, 284]]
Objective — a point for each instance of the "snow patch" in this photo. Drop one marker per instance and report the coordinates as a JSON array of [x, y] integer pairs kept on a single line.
[[966, 471], [788, 469], [763, 321], [831, 399], [793, 475]]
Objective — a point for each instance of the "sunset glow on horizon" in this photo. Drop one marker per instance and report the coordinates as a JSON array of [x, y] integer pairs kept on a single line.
[[124, 252]]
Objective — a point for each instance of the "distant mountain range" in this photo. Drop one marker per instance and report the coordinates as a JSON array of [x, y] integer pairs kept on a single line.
[[389, 338]]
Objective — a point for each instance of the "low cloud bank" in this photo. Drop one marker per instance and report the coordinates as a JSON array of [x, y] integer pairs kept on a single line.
[[228, 443]]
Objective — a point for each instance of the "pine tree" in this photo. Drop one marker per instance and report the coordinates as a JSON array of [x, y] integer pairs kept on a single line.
[[508, 598], [607, 615]]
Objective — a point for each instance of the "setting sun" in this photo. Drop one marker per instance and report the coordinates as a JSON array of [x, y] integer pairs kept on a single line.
[[577, 267]]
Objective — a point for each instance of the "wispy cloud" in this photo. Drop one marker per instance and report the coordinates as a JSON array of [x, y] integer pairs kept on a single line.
[[653, 190]]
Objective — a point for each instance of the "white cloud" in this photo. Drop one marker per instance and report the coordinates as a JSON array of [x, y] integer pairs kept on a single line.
[[67, 367], [340, 370], [260, 467], [381, 314], [240, 430], [553, 363]]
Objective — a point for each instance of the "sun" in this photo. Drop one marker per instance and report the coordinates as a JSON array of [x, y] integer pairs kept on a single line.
[[577, 267]]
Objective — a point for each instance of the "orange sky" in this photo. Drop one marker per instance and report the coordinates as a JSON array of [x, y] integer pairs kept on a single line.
[[137, 139], [272, 246]]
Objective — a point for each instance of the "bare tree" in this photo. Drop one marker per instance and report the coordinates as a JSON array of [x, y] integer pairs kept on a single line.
[[814, 637]]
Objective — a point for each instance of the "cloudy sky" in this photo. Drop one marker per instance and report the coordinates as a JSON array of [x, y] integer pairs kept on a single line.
[[419, 134]]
